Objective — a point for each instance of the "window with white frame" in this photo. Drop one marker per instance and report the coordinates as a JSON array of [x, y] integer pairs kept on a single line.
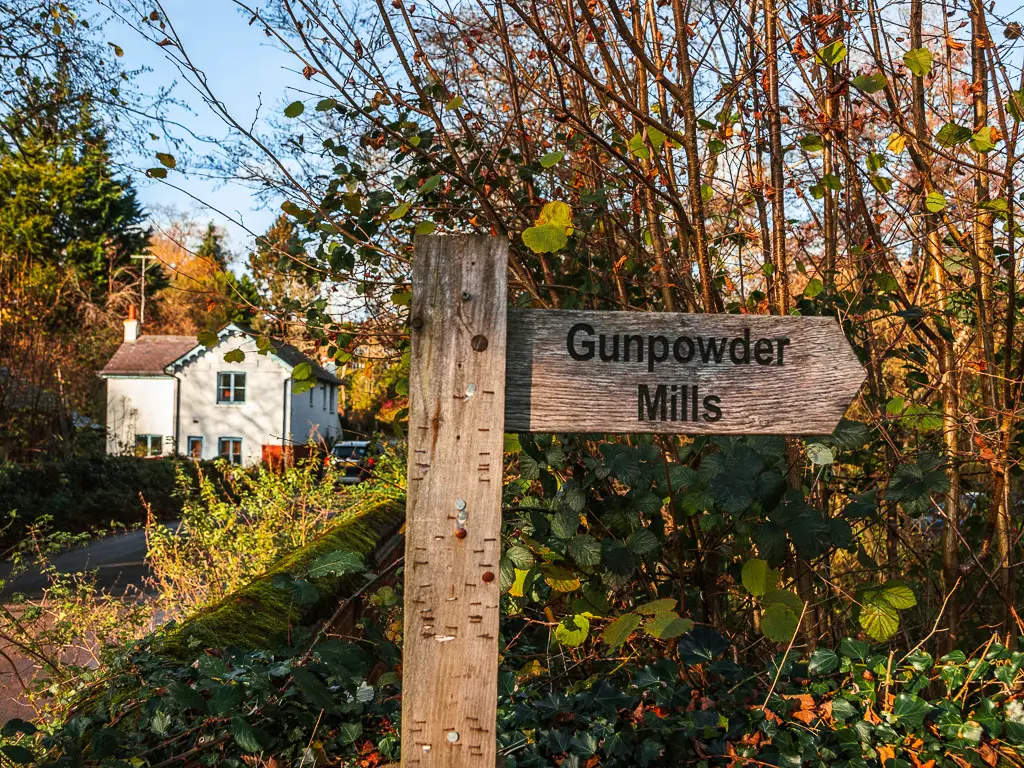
[[230, 387], [149, 445], [230, 448], [195, 447]]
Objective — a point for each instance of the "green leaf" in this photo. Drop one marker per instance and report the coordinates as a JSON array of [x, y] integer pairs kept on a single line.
[[547, 238], [247, 738], [1015, 105], [981, 140], [454, 104], [934, 202], [157, 173], [918, 61], [656, 137], [879, 619], [832, 53], [430, 184], [757, 577], [208, 339], [820, 455], [667, 625], [951, 135], [882, 183], [234, 356], [399, 211], [166, 160], [401, 298], [302, 371], [823, 661], [785, 597], [869, 83], [325, 104], [616, 633], [294, 109], [812, 143], [779, 623], [643, 542], [898, 595], [425, 228], [560, 579], [18, 754], [637, 147], [551, 159], [349, 732], [304, 385], [313, 690], [336, 563], [572, 630], [910, 711], [585, 550], [657, 606]]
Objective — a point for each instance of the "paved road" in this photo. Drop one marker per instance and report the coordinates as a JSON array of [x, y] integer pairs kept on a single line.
[[118, 560]]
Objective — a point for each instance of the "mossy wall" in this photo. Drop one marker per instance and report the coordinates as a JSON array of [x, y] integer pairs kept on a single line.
[[260, 613]]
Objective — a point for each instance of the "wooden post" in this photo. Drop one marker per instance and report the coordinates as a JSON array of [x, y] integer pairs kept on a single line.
[[453, 513]]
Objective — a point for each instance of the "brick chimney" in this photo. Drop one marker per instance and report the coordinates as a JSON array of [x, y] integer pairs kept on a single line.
[[131, 325]]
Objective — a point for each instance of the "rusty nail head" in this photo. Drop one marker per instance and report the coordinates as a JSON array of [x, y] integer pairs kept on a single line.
[[460, 533], [479, 342], [488, 577]]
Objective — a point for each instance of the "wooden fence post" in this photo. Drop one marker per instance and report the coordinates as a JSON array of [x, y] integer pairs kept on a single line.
[[453, 513]]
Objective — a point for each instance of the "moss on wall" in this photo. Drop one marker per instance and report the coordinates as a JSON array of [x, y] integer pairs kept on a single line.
[[260, 613]]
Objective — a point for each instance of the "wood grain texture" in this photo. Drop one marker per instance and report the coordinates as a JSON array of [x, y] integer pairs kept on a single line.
[[548, 391], [456, 393]]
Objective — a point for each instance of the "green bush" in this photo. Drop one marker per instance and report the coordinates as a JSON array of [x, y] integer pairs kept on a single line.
[[87, 492]]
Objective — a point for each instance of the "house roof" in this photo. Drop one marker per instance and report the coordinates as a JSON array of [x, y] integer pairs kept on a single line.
[[147, 355], [286, 354]]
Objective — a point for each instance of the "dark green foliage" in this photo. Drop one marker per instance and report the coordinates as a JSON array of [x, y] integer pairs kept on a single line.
[[86, 492]]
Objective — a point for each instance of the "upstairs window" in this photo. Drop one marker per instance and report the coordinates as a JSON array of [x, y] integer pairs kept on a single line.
[[230, 448], [230, 387], [149, 445]]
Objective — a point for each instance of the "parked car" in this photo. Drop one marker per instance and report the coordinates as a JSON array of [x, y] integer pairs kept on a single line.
[[353, 458]]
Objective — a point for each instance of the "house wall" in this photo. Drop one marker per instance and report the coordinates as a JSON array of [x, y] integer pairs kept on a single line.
[[258, 421], [314, 422], [139, 406]]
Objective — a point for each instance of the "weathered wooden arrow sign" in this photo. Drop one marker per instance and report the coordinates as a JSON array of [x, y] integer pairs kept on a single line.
[[579, 371], [478, 370]]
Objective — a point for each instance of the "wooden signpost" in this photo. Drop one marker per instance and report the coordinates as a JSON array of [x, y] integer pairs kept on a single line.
[[478, 370]]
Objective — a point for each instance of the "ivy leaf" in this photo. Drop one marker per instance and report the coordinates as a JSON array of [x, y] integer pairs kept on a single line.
[[234, 356], [545, 239], [869, 83], [779, 623], [918, 61], [879, 619], [552, 159], [349, 732], [934, 202], [294, 109], [910, 711], [313, 690], [832, 53], [336, 563], [823, 661], [616, 633], [952, 134], [757, 577], [572, 630]]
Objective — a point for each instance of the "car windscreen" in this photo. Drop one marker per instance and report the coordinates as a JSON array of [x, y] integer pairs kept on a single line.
[[350, 451]]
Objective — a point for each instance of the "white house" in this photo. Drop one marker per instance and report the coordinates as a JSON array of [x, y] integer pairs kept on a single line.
[[172, 395]]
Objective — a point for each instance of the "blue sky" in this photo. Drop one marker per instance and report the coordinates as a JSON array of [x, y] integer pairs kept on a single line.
[[243, 69]]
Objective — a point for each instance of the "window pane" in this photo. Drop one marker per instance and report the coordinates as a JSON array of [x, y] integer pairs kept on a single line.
[[239, 395]]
